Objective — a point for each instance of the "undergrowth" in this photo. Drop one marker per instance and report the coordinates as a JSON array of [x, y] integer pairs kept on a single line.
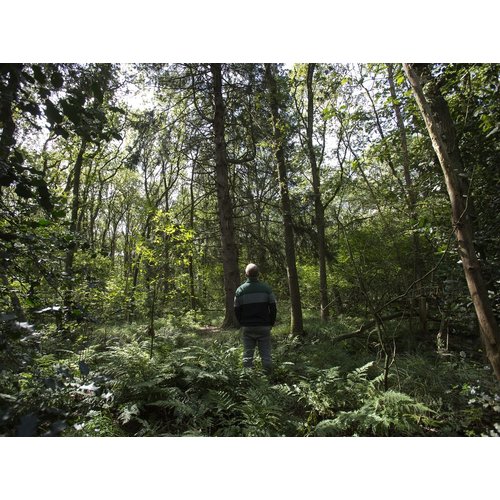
[[106, 384]]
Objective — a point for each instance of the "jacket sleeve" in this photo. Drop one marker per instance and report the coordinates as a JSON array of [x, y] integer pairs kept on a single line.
[[237, 308], [272, 312]]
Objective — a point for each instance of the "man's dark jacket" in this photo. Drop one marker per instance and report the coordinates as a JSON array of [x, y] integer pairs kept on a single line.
[[255, 304]]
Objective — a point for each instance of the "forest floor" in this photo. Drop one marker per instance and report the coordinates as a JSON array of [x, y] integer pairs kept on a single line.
[[113, 381], [209, 330]]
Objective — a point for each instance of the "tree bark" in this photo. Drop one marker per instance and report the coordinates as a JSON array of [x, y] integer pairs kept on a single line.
[[412, 205], [296, 326], [441, 129], [73, 228], [224, 202], [319, 209], [8, 96], [192, 290]]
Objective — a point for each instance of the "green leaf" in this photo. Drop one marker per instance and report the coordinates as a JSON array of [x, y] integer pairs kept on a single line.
[[128, 413], [30, 107], [23, 191], [7, 177], [28, 77], [57, 79], [44, 93], [39, 74], [117, 110], [17, 157], [43, 193], [43, 223], [97, 91], [7, 237], [494, 131], [58, 213], [72, 111], [58, 130], [53, 114]]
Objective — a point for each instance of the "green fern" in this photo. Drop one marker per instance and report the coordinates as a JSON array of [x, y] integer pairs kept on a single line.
[[260, 414], [128, 413], [386, 414]]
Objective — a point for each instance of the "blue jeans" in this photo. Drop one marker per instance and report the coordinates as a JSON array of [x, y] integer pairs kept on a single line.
[[257, 336]]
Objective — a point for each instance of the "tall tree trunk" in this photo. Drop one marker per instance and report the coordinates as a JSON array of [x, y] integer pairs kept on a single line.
[[412, 205], [258, 248], [224, 202], [256, 251], [112, 243], [167, 271], [127, 265], [441, 131], [136, 261], [7, 141], [131, 310], [73, 228], [291, 266], [319, 209], [8, 97], [192, 292]]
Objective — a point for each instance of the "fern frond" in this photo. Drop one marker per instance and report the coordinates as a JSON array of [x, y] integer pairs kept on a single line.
[[387, 413]]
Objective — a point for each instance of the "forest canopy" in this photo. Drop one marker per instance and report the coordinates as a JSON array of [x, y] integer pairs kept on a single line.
[[133, 196]]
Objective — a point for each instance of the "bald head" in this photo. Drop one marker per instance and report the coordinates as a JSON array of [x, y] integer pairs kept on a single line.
[[252, 271]]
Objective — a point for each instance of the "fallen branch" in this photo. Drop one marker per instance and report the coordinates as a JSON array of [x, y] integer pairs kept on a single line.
[[370, 324]]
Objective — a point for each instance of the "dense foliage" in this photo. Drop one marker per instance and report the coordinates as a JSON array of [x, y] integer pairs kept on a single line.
[[118, 210], [194, 385]]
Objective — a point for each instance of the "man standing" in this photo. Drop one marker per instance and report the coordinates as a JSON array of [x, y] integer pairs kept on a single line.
[[255, 308]]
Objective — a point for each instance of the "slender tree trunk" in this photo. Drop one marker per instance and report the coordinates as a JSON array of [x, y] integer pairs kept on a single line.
[[73, 228], [7, 141], [259, 249], [135, 280], [151, 325], [137, 267], [291, 266], [319, 209], [112, 243], [127, 265], [167, 271], [192, 293], [150, 277], [8, 96], [412, 205], [441, 130], [224, 202], [337, 301], [255, 249], [93, 231]]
